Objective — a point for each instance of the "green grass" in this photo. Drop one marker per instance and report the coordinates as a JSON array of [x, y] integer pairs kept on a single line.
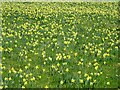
[[57, 45]]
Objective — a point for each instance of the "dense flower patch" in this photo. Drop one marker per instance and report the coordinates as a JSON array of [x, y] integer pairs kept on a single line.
[[65, 45]]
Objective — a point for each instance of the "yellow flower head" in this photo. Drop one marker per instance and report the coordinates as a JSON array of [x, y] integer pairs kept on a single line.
[[76, 54], [67, 70], [24, 79], [61, 82], [96, 67], [5, 78], [1, 87], [85, 75], [72, 80], [79, 72], [46, 86], [36, 67], [108, 83], [81, 81], [20, 70], [25, 82], [23, 86], [91, 83], [89, 77], [10, 78]]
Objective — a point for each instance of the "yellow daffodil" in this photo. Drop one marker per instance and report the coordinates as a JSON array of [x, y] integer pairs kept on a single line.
[[108, 83], [20, 70], [67, 70], [36, 67], [85, 75], [89, 77], [25, 82], [72, 80], [61, 82], [24, 79], [5, 78], [46, 86], [39, 76], [81, 81], [79, 72], [9, 78], [26, 67], [91, 83], [96, 67], [1, 87], [104, 62], [23, 86]]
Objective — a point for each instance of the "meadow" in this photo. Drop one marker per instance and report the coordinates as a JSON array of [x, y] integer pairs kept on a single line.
[[59, 45]]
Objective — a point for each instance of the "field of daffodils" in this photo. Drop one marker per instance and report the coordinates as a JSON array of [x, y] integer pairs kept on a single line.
[[59, 45]]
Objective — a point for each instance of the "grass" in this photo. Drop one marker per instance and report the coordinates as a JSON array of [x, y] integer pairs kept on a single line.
[[59, 45]]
